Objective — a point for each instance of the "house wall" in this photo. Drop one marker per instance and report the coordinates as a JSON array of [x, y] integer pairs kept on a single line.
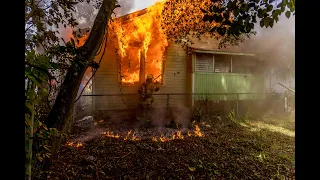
[[106, 81], [229, 83], [243, 81]]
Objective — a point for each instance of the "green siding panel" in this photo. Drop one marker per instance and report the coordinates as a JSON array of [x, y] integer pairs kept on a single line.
[[229, 83]]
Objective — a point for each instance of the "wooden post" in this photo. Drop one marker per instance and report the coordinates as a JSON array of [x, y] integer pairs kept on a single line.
[[142, 74]]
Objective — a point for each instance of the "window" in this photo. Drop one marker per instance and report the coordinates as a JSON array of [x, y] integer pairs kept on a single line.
[[223, 63], [131, 67], [243, 64], [204, 62]]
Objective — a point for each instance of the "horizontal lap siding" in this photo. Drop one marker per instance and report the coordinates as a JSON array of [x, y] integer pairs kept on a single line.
[[106, 80], [229, 83]]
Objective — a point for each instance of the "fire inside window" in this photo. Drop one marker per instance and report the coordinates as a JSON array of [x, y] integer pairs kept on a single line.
[[140, 43], [135, 68]]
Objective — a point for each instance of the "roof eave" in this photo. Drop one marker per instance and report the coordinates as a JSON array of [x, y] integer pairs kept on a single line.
[[222, 52]]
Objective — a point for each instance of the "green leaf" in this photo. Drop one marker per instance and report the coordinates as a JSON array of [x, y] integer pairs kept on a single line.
[[244, 7], [288, 13], [28, 105], [254, 19], [271, 23], [278, 11], [54, 65], [260, 13], [192, 169], [236, 12], [269, 8], [249, 27], [262, 23], [34, 80]]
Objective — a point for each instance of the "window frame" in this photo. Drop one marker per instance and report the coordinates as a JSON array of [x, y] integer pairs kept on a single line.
[[161, 83], [214, 60]]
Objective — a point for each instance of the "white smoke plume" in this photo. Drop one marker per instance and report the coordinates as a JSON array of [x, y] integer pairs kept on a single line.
[[276, 47]]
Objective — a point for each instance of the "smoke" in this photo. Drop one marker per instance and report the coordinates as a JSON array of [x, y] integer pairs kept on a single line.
[[276, 48], [180, 115], [159, 116], [126, 7], [87, 12]]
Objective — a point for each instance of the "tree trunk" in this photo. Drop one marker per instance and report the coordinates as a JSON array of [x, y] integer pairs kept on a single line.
[[63, 106], [30, 133]]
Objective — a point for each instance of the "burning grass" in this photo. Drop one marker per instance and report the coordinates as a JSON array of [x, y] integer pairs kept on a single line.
[[226, 150], [162, 138]]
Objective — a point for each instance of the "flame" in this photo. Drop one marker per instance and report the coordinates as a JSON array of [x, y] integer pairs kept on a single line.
[[174, 136], [178, 135], [129, 136], [79, 41], [133, 136], [163, 138], [197, 132], [110, 134], [143, 34], [72, 144]]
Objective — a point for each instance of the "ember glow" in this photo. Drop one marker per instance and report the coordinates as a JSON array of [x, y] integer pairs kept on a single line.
[[72, 144], [111, 134], [131, 136], [140, 37], [197, 132]]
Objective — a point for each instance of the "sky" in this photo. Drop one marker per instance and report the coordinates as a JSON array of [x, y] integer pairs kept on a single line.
[[141, 4]]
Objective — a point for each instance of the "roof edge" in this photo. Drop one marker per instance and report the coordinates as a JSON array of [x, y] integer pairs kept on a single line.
[[214, 51]]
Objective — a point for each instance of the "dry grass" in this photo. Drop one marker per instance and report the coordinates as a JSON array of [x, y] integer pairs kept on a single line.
[[228, 151]]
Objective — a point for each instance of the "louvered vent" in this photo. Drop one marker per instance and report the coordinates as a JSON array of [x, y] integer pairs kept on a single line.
[[204, 62]]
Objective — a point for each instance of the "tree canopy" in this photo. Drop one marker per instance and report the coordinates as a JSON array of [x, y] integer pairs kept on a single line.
[[227, 20]]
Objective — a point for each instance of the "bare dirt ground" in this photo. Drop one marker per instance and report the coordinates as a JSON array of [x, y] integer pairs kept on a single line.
[[238, 149]]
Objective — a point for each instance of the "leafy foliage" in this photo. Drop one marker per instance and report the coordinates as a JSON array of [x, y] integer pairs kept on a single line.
[[229, 21]]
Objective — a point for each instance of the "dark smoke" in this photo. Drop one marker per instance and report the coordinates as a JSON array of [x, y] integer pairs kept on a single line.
[[86, 14]]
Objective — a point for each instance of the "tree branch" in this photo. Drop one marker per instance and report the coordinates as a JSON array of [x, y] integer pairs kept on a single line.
[[28, 28]]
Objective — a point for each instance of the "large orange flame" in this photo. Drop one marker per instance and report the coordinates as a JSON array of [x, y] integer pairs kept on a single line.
[[140, 34]]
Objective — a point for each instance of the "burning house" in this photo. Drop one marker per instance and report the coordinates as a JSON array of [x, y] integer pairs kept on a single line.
[[136, 46]]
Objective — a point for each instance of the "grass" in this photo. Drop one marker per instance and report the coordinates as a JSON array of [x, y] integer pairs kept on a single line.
[[247, 149]]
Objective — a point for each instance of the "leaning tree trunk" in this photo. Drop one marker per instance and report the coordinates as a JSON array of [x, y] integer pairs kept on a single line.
[[64, 103], [29, 130]]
